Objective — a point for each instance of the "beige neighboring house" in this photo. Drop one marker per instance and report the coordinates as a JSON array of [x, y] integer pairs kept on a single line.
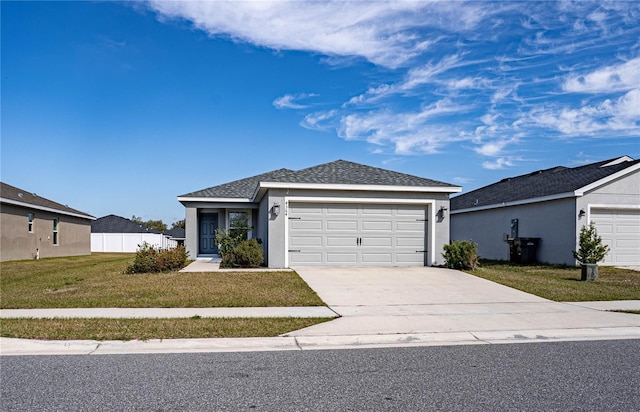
[[33, 227]]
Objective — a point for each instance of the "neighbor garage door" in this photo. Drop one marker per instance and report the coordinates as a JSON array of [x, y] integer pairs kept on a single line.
[[620, 229], [357, 234]]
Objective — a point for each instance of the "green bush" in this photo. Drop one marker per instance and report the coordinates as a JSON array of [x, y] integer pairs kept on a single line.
[[249, 254], [152, 260], [461, 255]]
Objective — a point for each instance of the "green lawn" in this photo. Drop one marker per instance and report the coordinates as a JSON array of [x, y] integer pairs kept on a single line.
[[98, 281], [144, 329], [562, 283]]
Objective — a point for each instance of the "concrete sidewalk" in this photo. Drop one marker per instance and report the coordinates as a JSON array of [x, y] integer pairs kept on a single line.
[[157, 313]]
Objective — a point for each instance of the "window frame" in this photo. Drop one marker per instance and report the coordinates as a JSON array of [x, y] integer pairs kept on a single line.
[[248, 213], [56, 230], [30, 219]]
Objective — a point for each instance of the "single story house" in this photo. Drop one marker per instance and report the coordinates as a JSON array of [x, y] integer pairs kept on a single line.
[[113, 233], [34, 227], [176, 234], [553, 205], [338, 213]]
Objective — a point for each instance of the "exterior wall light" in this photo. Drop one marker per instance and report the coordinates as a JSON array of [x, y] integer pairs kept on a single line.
[[275, 209], [581, 214], [443, 212]]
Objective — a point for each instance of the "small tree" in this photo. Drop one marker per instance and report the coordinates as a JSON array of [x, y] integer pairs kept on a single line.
[[590, 250]]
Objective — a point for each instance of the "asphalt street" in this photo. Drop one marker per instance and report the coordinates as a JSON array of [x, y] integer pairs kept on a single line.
[[579, 376]]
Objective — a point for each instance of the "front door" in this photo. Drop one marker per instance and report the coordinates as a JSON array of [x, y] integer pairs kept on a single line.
[[207, 236]]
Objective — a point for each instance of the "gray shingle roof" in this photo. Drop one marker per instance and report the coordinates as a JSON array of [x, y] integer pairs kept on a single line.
[[18, 195], [117, 224], [176, 232], [242, 188], [542, 183], [339, 172]]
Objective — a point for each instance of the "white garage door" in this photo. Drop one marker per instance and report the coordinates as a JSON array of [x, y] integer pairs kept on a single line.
[[620, 229], [357, 234]]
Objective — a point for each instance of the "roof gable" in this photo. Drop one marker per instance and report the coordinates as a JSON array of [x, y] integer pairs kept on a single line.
[[555, 181], [117, 224], [339, 172], [16, 196]]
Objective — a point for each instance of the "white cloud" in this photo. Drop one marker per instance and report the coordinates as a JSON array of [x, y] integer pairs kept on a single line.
[[319, 120], [620, 117], [492, 148], [622, 77], [382, 32], [497, 164], [288, 101]]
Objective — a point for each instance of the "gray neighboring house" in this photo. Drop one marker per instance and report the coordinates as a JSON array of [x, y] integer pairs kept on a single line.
[[338, 213], [553, 205], [35, 227]]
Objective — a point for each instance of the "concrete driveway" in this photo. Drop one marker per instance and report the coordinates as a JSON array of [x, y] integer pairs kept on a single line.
[[414, 300]]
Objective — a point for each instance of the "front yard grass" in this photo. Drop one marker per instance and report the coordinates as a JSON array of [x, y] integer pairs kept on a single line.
[[562, 283], [98, 281], [145, 329]]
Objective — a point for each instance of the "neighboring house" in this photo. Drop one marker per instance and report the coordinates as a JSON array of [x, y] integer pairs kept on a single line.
[[176, 234], [553, 205], [116, 234], [33, 227], [338, 213]]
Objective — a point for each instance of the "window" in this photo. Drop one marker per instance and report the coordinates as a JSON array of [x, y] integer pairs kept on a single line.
[[239, 224], [55, 231], [30, 216]]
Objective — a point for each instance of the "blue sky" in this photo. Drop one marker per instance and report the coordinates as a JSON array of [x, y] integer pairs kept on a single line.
[[119, 107]]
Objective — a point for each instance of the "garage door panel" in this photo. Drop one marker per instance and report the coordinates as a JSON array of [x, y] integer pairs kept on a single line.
[[343, 210], [341, 258], [305, 225], [299, 241], [377, 226], [376, 242], [410, 226], [377, 210], [357, 234], [342, 225], [415, 258], [409, 242], [341, 241], [377, 258], [305, 258]]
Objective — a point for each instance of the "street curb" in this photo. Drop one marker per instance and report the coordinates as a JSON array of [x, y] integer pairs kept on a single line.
[[18, 347]]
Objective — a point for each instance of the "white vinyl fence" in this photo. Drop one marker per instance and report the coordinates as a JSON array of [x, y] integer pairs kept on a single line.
[[129, 242]]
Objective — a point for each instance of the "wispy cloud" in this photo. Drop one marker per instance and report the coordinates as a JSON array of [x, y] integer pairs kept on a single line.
[[620, 77], [494, 75], [288, 101]]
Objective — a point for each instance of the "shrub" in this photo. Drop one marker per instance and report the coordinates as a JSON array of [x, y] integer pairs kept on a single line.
[[249, 254], [150, 259], [591, 249], [461, 255]]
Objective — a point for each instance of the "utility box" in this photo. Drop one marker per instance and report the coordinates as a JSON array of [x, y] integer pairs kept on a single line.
[[523, 249]]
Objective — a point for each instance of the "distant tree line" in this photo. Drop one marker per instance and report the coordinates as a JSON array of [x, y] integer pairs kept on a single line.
[[157, 224]]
